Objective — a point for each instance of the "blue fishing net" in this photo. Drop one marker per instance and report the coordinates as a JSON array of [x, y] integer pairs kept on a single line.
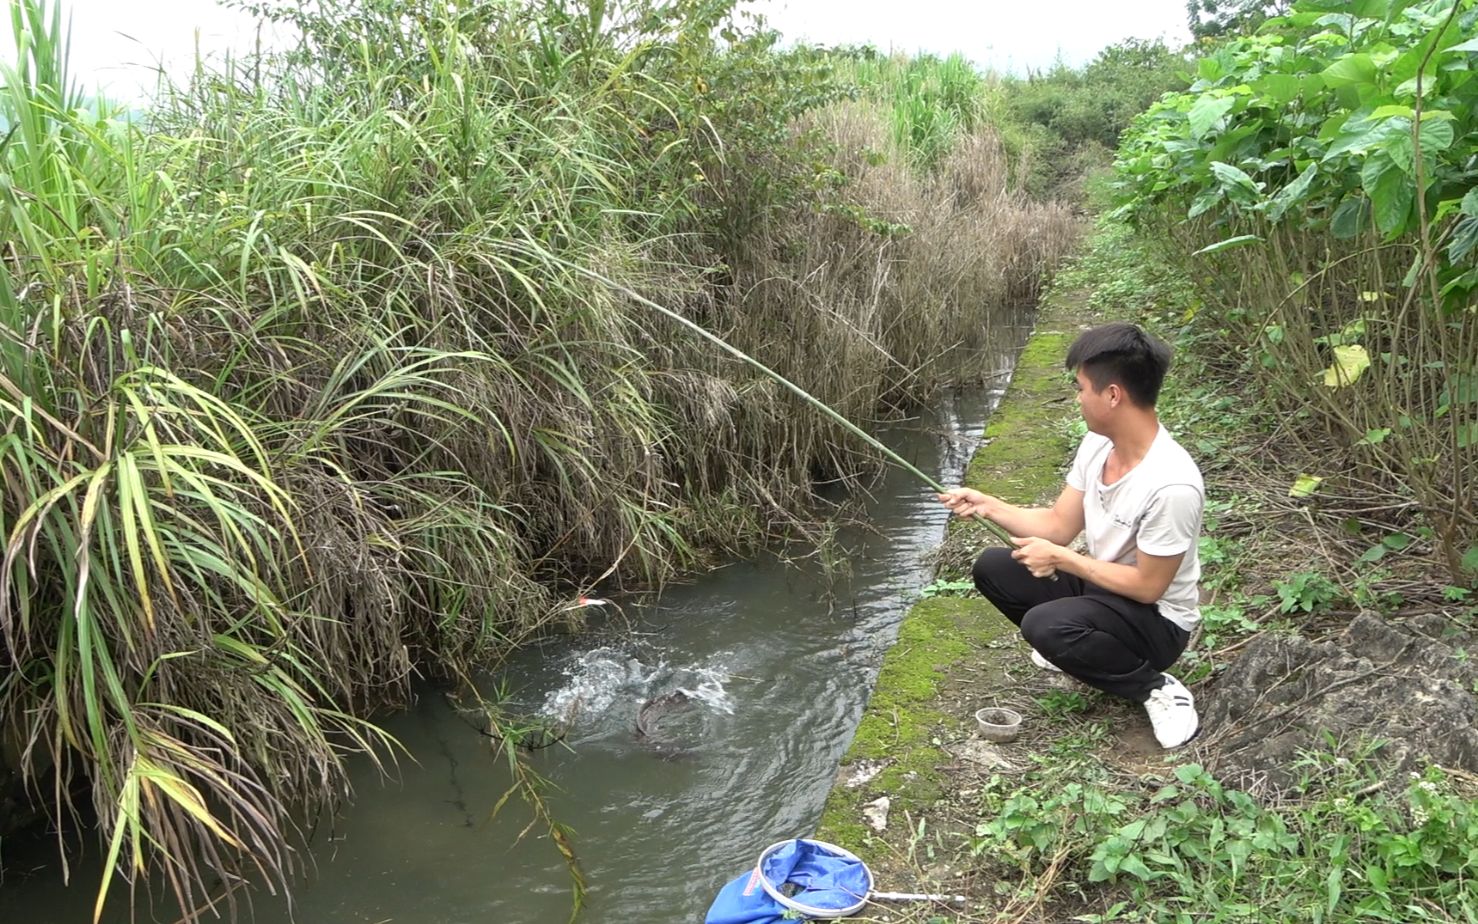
[[815, 878]]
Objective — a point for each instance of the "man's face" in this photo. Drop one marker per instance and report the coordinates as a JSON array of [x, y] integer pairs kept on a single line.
[[1094, 405]]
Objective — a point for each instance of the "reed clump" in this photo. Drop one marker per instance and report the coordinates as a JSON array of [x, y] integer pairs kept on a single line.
[[309, 386]]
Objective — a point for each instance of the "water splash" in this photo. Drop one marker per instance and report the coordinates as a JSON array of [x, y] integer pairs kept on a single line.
[[609, 684]]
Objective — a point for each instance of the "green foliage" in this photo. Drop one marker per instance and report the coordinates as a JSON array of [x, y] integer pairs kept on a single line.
[[1194, 849], [1300, 124], [1128, 276], [1305, 592], [1217, 18], [1222, 623], [932, 101], [1095, 104], [1059, 704], [944, 587], [1318, 177], [1077, 115]]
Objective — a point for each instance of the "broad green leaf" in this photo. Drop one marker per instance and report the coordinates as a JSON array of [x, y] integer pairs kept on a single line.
[[1377, 878], [1464, 240], [1207, 111], [1463, 389], [1357, 68], [1305, 485], [1395, 141], [1469, 45], [1391, 193], [1350, 362], [1383, 112], [1360, 135], [1135, 867], [1239, 185], [1240, 240], [1291, 194], [1408, 88], [1470, 203], [1400, 151], [1351, 218], [1375, 437], [1204, 203], [1278, 89], [1435, 135]]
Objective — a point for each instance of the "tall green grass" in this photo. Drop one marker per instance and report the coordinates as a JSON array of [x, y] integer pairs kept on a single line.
[[931, 101], [305, 391]]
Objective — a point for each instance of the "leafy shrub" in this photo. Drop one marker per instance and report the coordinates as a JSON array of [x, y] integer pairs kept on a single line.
[[1323, 168], [1345, 848]]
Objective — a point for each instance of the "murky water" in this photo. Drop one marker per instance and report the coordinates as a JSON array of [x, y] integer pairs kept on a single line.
[[777, 660]]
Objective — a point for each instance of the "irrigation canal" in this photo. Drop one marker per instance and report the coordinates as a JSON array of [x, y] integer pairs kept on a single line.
[[777, 659]]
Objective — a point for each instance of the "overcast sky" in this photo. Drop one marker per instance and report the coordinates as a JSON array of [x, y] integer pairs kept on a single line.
[[1002, 35], [115, 42]]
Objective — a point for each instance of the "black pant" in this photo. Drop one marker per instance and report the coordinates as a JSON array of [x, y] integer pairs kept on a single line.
[[1109, 642]]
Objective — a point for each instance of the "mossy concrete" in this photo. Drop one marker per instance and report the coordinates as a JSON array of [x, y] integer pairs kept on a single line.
[[915, 705]]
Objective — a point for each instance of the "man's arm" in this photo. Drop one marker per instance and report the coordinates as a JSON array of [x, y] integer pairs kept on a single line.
[[1145, 581], [1059, 524]]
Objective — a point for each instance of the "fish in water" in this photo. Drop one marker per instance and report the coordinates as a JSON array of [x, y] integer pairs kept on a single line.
[[650, 716]]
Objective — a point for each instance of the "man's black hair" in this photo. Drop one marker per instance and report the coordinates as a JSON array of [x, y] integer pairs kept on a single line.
[[1122, 354]]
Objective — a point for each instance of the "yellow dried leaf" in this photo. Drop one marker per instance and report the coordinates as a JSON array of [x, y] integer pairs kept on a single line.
[[1350, 362], [1305, 485]]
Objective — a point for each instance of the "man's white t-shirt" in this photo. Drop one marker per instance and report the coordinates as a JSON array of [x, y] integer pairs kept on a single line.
[[1156, 507]]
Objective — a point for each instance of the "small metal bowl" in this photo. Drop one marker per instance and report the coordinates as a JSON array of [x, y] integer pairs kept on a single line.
[[998, 723]]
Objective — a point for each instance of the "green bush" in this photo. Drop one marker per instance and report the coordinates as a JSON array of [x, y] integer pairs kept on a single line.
[[1321, 172], [1079, 114], [1346, 847]]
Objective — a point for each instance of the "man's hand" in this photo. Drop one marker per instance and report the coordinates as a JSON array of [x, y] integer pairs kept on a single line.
[[1040, 556], [967, 502]]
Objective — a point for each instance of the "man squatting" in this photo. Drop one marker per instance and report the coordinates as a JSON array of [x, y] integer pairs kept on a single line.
[[1119, 616]]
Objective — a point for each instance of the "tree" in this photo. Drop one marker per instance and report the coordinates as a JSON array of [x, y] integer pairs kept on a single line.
[[1212, 18]]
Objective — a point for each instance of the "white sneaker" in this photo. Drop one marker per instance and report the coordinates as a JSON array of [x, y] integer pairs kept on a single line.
[[1043, 663], [1172, 712]]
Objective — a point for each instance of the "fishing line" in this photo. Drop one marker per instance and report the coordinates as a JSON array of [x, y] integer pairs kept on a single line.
[[995, 528]]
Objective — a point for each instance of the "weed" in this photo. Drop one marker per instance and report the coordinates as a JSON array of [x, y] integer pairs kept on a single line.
[[1059, 704], [946, 587], [1345, 849], [1305, 592]]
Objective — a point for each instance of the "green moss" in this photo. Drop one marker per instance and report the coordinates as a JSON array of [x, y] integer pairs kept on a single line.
[[902, 723], [936, 634]]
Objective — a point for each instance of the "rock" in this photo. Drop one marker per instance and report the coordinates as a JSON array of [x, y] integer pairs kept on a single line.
[[984, 754], [1403, 684], [875, 813], [861, 772]]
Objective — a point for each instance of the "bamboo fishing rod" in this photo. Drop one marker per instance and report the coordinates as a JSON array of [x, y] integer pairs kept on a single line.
[[995, 528]]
